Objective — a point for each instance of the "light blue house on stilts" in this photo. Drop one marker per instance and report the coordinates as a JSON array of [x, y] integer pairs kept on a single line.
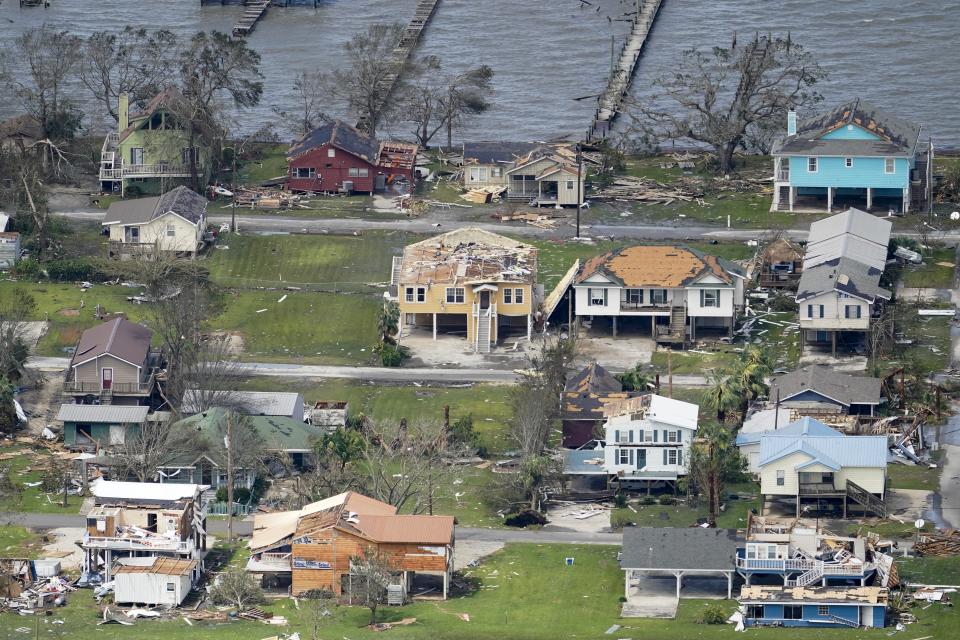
[[853, 156]]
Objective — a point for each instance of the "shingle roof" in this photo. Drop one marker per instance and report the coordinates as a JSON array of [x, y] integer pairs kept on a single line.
[[896, 136], [491, 152], [843, 275], [342, 136], [843, 388], [25, 125], [586, 393], [118, 337], [106, 413], [692, 548], [657, 266], [180, 200], [164, 98]]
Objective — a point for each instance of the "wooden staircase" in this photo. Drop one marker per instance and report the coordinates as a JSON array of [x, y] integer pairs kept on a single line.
[[866, 499], [807, 577], [483, 332]]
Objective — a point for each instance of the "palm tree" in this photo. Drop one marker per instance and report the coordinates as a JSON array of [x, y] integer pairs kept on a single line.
[[750, 377], [721, 394], [388, 321], [714, 459], [636, 379]]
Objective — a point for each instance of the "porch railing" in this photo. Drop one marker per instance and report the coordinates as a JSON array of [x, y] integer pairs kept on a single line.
[[117, 388], [817, 488], [152, 543], [783, 175], [147, 171]]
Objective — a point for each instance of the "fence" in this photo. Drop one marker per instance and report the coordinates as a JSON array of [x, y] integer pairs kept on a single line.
[[220, 509]]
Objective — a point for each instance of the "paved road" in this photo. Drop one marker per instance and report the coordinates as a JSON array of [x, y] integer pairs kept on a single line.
[[379, 374], [218, 527]]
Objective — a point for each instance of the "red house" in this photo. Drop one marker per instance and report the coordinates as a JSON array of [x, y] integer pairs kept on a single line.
[[336, 158]]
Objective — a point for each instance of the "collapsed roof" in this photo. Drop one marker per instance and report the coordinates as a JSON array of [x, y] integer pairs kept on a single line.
[[466, 257], [663, 266]]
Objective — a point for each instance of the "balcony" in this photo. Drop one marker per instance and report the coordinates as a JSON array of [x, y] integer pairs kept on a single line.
[[783, 175], [95, 387], [161, 170], [800, 564], [644, 306], [148, 543], [819, 489]]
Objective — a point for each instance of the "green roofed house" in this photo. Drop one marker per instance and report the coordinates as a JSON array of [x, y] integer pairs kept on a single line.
[[150, 152], [208, 465], [102, 426]]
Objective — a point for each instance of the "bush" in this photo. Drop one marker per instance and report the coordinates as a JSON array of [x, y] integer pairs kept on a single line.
[[391, 355], [620, 500], [240, 494], [76, 270], [712, 614], [667, 500], [27, 269], [525, 518], [648, 500], [620, 519]]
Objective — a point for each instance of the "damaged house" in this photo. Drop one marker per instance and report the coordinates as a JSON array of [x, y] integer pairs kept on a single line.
[[471, 283], [537, 173], [314, 547], [673, 294], [132, 523], [814, 606], [780, 264], [839, 292], [582, 403]]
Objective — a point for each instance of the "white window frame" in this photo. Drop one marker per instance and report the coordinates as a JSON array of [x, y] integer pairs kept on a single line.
[[813, 161], [569, 185], [496, 172], [331, 152], [171, 586], [508, 296], [415, 295], [889, 166], [823, 609], [518, 296], [456, 295], [648, 435], [421, 294], [597, 302], [856, 316], [353, 172], [848, 162], [364, 172], [171, 231], [623, 456], [673, 435], [781, 478], [306, 172], [672, 456], [705, 298], [409, 294], [658, 296]]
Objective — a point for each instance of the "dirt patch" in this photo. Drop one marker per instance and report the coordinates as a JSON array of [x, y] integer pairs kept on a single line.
[[69, 313], [63, 546], [234, 341], [38, 402]]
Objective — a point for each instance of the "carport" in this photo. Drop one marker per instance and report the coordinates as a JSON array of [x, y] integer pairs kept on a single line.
[[693, 551]]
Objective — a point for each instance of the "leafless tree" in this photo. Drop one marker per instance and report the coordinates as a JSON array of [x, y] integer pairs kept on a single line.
[[210, 376], [144, 450], [134, 61], [434, 100], [16, 311], [312, 91], [371, 573], [318, 610], [238, 588], [717, 97], [365, 83]]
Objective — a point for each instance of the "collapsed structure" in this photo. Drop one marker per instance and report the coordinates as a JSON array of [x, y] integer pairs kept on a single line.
[[538, 173]]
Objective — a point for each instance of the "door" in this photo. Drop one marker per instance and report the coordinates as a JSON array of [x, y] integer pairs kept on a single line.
[[136, 155], [484, 299], [641, 458], [106, 378], [152, 522]]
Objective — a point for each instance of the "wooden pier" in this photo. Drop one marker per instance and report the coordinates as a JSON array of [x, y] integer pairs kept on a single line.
[[255, 9], [401, 53], [621, 75]]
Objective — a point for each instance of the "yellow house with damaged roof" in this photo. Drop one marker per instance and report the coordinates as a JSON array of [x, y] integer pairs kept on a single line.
[[468, 282]]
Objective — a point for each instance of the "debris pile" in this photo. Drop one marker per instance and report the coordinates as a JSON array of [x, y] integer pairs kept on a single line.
[[940, 543], [639, 189], [25, 592], [483, 195]]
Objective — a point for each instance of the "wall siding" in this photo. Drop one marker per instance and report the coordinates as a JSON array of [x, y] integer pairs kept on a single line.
[[865, 172]]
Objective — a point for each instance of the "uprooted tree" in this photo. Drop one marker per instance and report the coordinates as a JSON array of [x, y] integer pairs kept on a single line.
[[727, 97]]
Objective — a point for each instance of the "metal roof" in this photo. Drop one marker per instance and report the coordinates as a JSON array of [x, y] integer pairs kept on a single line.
[[843, 275], [254, 403], [833, 452], [852, 222], [110, 413], [691, 548], [144, 491]]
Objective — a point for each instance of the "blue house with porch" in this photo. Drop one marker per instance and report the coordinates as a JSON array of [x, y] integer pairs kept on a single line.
[[813, 606], [852, 156]]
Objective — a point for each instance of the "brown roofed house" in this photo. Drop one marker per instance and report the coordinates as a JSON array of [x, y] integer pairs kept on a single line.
[[583, 399], [670, 293], [312, 548]]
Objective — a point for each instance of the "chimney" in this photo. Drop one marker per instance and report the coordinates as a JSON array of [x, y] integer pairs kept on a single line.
[[791, 123], [123, 112]]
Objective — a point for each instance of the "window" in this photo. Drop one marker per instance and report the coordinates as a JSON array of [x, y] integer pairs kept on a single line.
[[823, 610], [634, 296], [171, 231], [889, 165], [353, 172], [474, 174], [518, 296], [508, 296], [569, 185], [671, 456], [755, 611], [596, 297], [709, 297], [496, 172], [781, 477], [672, 436], [415, 294], [134, 233], [658, 296], [455, 295], [792, 612], [364, 172], [331, 153], [623, 456], [136, 155], [813, 309], [811, 165], [848, 162], [648, 436], [852, 311], [171, 586], [306, 172]]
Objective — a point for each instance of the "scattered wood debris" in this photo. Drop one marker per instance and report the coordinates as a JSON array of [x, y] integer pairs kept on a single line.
[[941, 543], [483, 195], [648, 190]]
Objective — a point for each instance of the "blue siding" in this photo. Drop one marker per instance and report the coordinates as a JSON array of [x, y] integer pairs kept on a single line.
[[773, 613], [865, 172], [850, 132], [879, 616]]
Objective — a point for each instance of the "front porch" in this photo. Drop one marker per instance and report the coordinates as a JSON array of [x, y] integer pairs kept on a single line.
[[831, 199]]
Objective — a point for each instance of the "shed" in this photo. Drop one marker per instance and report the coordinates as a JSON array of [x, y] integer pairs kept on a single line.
[[153, 581], [679, 552], [99, 424]]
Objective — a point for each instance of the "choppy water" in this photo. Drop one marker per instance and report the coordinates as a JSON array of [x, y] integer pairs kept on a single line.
[[898, 53]]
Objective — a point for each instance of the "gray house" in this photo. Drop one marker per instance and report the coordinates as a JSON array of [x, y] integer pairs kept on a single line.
[[817, 389]]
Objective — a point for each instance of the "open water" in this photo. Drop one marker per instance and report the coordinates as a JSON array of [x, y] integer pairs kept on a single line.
[[901, 54]]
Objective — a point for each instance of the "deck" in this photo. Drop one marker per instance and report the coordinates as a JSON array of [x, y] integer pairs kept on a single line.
[[255, 9], [611, 100], [401, 53]]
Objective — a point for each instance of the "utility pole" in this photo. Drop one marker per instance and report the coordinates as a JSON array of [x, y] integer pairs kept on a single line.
[[228, 441], [579, 184], [233, 191], [670, 372]]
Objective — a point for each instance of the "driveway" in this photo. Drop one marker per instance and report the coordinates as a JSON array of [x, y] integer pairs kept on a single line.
[[655, 596]]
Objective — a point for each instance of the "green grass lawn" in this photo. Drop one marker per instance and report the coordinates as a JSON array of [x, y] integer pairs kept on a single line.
[[309, 327], [930, 273], [269, 161], [734, 516], [18, 542], [904, 476], [525, 592], [930, 570], [930, 349], [27, 467], [488, 404], [325, 261]]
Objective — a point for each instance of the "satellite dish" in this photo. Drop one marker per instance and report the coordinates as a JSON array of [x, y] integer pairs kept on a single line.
[[919, 523], [955, 215]]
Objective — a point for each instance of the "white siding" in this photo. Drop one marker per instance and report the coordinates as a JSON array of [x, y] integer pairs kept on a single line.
[[787, 464], [834, 312], [150, 588], [872, 479], [631, 431], [186, 235], [725, 310]]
